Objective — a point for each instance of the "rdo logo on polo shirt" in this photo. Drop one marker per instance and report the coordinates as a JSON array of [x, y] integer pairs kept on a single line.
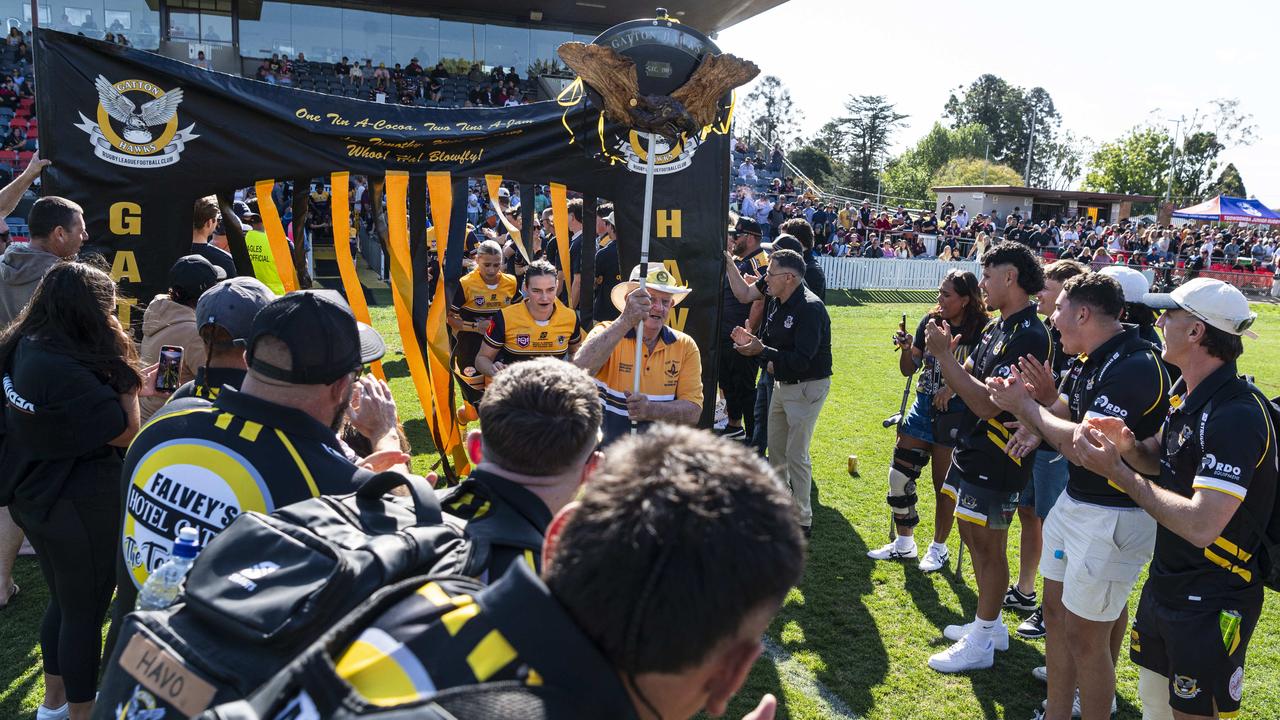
[[185, 483]]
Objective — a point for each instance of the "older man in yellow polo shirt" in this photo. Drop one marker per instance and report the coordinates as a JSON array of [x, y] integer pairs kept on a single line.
[[671, 367]]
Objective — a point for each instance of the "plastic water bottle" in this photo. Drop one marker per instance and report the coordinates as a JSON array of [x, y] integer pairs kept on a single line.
[[163, 586]]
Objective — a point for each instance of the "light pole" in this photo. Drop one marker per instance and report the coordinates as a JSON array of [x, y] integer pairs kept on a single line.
[[1173, 166], [986, 161], [1031, 143]]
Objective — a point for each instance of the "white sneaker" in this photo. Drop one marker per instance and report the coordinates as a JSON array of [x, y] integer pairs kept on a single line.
[[967, 654], [1040, 673], [1000, 636], [62, 713], [893, 552], [935, 558], [1075, 704]]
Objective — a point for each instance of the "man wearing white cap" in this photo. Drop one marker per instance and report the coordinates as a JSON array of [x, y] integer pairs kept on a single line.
[[1209, 480], [671, 377], [1135, 286]]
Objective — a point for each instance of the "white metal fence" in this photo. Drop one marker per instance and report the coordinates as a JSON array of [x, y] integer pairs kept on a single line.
[[889, 273]]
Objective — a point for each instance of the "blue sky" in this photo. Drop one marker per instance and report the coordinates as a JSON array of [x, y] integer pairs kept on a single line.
[[1108, 65]]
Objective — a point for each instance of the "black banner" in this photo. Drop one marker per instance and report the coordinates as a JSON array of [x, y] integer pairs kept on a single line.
[[135, 137]]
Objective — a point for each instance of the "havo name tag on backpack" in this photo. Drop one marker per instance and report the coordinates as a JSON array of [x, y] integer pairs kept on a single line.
[[161, 676]]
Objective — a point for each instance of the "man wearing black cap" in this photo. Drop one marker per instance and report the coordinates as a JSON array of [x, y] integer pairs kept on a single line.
[[170, 319], [266, 445], [738, 373], [224, 317]]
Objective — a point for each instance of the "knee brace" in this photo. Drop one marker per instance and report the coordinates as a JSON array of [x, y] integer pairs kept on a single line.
[[903, 473], [1153, 691]]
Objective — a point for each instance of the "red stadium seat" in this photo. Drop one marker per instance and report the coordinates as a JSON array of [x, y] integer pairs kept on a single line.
[[33, 132], [19, 122], [8, 157], [24, 157]]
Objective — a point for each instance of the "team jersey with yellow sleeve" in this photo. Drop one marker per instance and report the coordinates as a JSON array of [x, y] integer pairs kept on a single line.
[[520, 337], [475, 299], [672, 371]]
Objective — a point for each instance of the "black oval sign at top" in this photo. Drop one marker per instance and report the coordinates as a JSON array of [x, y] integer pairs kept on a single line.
[[665, 52]]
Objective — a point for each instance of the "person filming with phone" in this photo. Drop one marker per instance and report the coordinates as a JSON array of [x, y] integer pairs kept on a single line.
[[169, 332], [928, 432]]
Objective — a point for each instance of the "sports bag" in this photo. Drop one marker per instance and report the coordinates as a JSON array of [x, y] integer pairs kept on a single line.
[[265, 588], [310, 689]]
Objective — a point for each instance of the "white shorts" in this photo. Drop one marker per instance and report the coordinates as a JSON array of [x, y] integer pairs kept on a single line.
[[1097, 553]]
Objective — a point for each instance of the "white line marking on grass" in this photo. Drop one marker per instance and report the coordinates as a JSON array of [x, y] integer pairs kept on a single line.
[[796, 677]]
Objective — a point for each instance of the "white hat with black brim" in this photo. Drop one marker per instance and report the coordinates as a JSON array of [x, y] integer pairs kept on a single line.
[[1213, 302]]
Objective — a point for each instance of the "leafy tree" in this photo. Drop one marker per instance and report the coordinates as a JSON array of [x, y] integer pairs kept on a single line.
[[831, 140], [1065, 160], [1228, 183], [910, 175], [869, 127], [1011, 116], [813, 162], [1135, 163], [975, 171], [773, 116]]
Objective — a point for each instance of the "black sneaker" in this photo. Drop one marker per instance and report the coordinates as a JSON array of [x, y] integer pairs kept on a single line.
[[1033, 627], [1015, 600], [732, 433]]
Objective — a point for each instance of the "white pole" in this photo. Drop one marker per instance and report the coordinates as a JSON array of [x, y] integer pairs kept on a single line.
[[644, 261]]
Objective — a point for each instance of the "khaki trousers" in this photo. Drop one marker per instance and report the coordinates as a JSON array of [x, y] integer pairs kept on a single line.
[[793, 413]]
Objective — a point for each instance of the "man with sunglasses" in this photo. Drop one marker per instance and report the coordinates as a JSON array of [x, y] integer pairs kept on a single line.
[[268, 444], [738, 373], [1209, 480], [795, 349]]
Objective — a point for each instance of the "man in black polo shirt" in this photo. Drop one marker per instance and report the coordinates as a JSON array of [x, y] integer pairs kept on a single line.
[[269, 444], [1216, 466], [1018, 234], [737, 372], [796, 351], [983, 479], [679, 532], [540, 425], [608, 268], [1096, 538]]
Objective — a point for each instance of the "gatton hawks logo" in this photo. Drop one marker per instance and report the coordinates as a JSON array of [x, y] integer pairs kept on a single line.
[[127, 134]]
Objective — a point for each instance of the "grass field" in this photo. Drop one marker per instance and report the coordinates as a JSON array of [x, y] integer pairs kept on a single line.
[[855, 636]]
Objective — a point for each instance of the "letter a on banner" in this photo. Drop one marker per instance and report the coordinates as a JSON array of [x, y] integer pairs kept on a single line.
[[341, 211]]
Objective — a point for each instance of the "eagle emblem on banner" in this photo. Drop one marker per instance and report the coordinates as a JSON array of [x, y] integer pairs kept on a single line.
[[133, 135], [677, 120]]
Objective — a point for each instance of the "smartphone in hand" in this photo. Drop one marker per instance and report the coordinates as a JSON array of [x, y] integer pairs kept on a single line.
[[167, 375]]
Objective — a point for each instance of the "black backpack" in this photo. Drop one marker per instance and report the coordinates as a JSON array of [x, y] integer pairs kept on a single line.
[[309, 688], [266, 587]]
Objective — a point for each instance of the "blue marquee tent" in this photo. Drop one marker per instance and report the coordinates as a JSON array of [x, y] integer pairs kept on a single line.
[[1230, 209]]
